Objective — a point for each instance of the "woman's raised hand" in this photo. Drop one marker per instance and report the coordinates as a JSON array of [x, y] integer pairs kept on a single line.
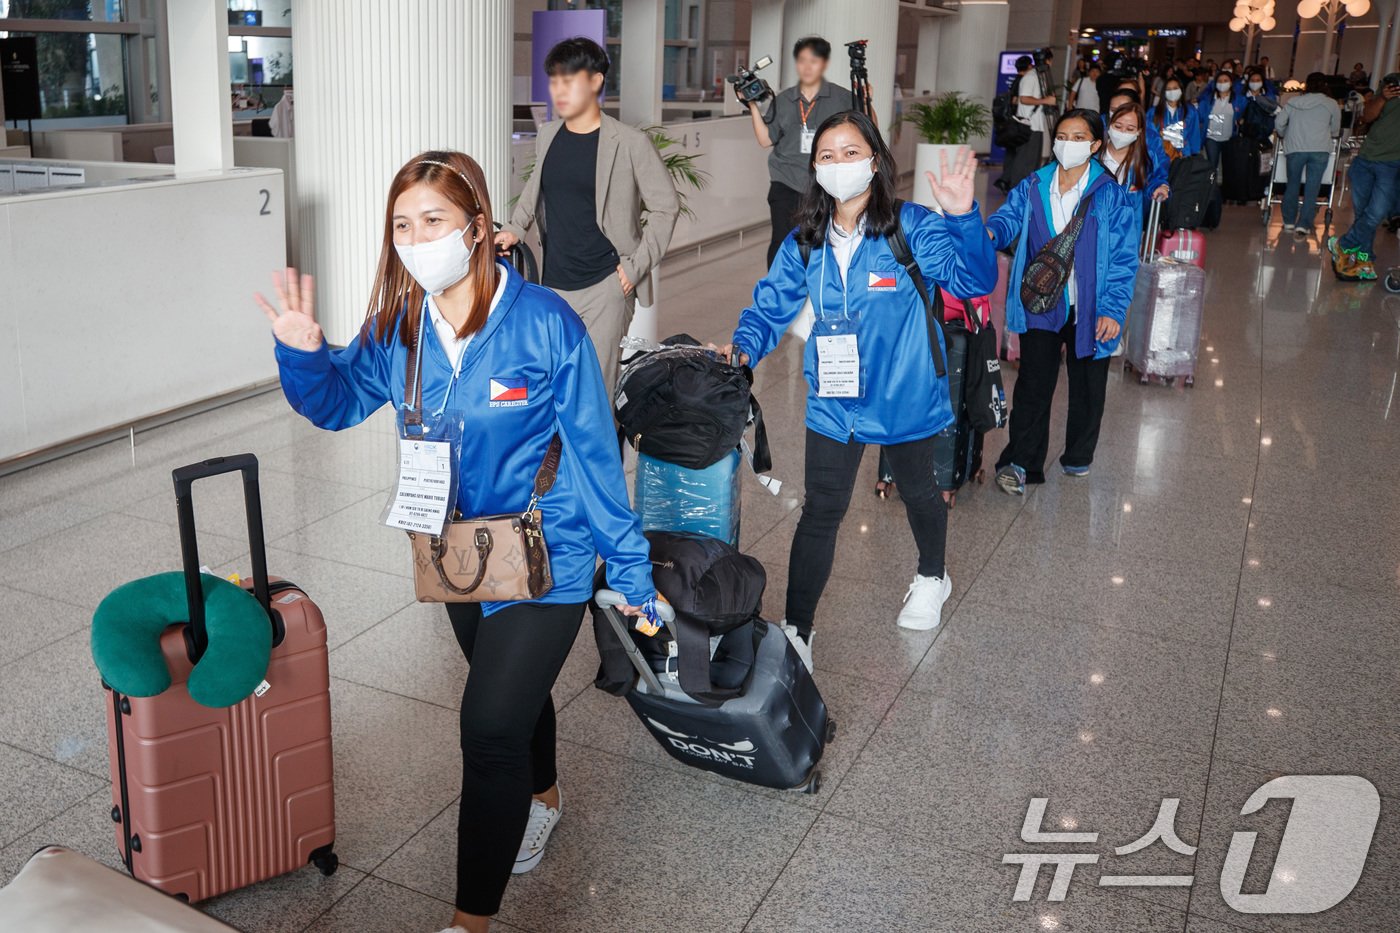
[[294, 318], [954, 193]]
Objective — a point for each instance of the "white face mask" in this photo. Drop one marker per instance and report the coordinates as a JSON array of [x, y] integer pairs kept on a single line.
[[846, 180], [438, 264], [1072, 153], [1222, 86], [1173, 94], [1120, 139], [1255, 85]]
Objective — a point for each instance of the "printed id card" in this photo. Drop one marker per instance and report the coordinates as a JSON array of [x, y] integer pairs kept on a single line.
[[806, 139], [425, 481], [838, 366], [426, 490]]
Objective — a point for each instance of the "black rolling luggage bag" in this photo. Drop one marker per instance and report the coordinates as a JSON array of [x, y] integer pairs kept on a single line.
[[771, 733], [1243, 179]]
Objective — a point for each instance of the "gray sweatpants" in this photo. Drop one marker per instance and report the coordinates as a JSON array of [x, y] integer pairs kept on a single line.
[[607, 314]]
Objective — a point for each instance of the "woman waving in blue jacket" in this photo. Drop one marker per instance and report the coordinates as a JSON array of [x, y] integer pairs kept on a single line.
[[1135, 161], [513, 364], [1087, 319], [872, 361]]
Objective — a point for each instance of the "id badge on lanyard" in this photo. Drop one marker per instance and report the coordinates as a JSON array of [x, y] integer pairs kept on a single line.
[[807, 136], [429, 458], [838, 347]]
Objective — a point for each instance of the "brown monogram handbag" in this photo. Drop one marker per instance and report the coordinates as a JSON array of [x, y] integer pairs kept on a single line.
[[494, 558]]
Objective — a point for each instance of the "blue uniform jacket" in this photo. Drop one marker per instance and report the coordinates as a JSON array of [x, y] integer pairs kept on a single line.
[[531, 335], [1158, 165], [1191, 126], [904, 399], [1105, 257]]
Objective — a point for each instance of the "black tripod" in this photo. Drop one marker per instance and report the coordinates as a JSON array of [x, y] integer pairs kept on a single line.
[[860, 79]]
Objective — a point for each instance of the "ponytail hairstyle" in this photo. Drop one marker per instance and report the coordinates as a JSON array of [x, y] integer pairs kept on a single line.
[[1133, 171], [816, 208], [395, 295]]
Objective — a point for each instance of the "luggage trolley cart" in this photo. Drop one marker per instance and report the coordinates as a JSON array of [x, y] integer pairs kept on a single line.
[[1327, 194]]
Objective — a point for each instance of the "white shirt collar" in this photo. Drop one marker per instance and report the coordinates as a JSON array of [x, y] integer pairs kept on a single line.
[[447, 334]]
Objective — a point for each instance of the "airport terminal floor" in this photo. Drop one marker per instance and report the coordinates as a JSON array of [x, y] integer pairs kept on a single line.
[[1212, 608]]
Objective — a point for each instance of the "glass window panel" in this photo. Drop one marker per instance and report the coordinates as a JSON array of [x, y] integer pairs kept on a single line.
[[82, 79], [102, 11]]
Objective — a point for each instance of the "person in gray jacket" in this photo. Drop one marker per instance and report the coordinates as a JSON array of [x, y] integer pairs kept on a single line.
[[602, 198], [1307, 124]]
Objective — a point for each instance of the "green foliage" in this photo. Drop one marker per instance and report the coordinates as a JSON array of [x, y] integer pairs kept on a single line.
[[952, 119]]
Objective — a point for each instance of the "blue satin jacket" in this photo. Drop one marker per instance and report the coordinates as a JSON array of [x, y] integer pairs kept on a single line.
[[903, 399], [1105, 256], [534, 336], [1189, 118]]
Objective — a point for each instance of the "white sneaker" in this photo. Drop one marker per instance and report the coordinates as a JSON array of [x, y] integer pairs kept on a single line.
[[543, 819], [453, 930], [923, 604], [803, 646]]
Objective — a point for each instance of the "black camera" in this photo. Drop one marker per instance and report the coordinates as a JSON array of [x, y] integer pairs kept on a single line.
[[856, 50], [749, 87]]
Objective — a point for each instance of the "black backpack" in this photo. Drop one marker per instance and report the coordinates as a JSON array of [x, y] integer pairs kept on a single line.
[[1007, 131], [682, 405], [716, 591], [1192, 188]]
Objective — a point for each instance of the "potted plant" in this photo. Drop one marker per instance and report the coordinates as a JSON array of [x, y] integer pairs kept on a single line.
[[946, 124]]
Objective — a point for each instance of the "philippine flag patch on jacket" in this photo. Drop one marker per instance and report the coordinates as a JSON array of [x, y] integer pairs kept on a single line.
[[509, 392], [882, 283]]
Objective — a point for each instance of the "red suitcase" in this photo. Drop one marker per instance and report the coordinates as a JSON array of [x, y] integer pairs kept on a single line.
[[1184, 246], [1010, 343], [210, 800]]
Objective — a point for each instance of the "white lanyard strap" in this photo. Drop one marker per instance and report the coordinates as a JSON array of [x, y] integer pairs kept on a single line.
[[410, 390]]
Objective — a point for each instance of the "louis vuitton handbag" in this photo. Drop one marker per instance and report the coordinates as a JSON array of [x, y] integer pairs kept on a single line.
[[494, 558]]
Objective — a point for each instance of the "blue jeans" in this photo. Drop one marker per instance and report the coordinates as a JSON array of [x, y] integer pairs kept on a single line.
[[1373, 189], [1213, 148], [1305, 168]]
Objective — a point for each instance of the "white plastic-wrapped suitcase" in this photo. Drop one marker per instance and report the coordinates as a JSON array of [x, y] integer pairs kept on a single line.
[[1164, 323]]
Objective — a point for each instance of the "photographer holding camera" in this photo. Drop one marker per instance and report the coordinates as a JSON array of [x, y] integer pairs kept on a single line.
[[1034, 103], [788, 127]]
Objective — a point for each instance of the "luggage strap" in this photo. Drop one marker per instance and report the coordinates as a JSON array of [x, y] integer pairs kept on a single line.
[[933, 307]]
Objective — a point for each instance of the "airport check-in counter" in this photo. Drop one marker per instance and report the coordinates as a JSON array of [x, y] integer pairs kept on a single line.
[[123, 301]]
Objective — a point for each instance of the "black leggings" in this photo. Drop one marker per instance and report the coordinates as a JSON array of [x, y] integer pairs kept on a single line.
[[830, 476], [507, 735]]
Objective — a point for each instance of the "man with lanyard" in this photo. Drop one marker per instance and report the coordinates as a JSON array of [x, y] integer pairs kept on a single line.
[[787, 128]]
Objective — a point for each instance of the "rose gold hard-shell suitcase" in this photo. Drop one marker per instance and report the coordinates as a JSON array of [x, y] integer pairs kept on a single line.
[[209, 800]]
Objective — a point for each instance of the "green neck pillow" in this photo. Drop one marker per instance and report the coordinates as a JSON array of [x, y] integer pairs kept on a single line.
[[128, 624]]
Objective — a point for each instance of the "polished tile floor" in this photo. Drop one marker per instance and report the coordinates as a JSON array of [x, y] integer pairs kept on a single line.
[[1214, 607]]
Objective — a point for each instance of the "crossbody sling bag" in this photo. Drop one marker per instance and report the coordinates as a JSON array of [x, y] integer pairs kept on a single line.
[[1043, 282], [494, 558]]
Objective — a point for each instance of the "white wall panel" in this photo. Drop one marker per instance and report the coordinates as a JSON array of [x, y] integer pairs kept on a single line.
[[378, 83]]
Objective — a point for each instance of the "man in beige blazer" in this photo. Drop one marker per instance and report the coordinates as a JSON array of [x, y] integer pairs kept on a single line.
[[603, 199]]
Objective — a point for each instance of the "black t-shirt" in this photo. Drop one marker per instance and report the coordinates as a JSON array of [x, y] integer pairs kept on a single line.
[[576, 254]]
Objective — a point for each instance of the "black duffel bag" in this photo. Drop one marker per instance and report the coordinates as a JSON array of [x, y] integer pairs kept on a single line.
[[715, 591], [682, 405]]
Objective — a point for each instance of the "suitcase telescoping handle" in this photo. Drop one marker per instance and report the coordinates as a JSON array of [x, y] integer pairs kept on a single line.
[[1149, 241], [609, 601], [184, 478]]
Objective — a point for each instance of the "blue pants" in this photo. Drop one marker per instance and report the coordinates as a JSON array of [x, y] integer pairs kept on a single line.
[[1373, 189], [1307, 169], [1213, 148]]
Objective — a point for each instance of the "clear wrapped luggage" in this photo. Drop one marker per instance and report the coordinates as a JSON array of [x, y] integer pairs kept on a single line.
[[1164, 323], [674, 498]]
